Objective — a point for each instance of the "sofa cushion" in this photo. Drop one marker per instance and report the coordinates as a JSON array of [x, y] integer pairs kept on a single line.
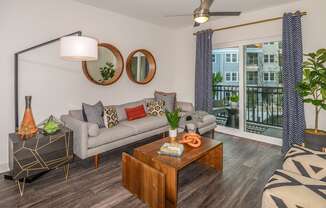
[[170, 99], [93, 113], [206, 120], [135, 112], [155, 108], [306, 162], [121, 108], [110, 116], [287, 189], [93, 129], [146, 124], [77, 114], [108, 135]]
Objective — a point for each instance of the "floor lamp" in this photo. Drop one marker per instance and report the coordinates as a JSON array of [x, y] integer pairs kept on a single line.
[[73, 47]]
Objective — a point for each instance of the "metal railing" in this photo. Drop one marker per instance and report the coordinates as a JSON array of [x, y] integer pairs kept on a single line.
[[263, 104]]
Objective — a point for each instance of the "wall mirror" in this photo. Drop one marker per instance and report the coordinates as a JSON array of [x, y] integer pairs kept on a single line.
[[108, 68], [141, 66]]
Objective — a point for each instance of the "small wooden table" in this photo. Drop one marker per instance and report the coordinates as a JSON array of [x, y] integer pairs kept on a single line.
[[210, 153], [39, 154]]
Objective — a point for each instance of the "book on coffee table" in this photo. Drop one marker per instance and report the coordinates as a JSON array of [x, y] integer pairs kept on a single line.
[[171, 149]]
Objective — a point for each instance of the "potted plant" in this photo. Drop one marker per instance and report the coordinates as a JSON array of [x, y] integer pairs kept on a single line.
[[234, 101], [107, 71], [173, 118], [313, 89]]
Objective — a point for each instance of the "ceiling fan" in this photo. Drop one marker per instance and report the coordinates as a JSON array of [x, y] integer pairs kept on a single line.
[[202, 13]]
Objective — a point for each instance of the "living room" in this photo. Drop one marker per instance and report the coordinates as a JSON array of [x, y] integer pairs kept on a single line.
[[238, 115]]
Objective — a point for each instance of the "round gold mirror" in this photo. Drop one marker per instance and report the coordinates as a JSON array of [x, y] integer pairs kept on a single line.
[[141, 66], [108, 68]]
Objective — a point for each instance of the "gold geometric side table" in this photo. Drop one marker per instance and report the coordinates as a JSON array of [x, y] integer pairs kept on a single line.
[[39, 154]]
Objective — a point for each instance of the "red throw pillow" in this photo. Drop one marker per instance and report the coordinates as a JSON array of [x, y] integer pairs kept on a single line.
[[135, 112]]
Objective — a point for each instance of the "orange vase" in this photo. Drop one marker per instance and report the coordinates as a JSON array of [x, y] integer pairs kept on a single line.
[[28, 127]]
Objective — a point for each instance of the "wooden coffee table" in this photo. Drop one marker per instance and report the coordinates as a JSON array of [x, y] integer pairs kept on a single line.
[[156, 176]]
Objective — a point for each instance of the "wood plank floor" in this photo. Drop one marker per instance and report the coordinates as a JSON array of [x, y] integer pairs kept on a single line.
[[247, 167]]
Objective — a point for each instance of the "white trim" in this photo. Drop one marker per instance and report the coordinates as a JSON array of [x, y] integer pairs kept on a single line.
[[4, 167], [247, 135]]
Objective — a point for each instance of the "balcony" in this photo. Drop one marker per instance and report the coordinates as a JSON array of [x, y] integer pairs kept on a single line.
[[263, 109]]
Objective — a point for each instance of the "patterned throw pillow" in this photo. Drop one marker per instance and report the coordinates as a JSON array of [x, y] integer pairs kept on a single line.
[[110, 117], [156, 108]]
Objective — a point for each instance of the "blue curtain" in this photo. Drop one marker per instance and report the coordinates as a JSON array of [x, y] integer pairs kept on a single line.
[[293, 107], [204, 73]]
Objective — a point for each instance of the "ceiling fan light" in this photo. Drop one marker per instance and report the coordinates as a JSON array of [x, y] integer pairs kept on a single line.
[[201, 19]]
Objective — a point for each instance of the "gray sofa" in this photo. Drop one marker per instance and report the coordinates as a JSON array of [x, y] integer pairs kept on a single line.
[[89, 140]]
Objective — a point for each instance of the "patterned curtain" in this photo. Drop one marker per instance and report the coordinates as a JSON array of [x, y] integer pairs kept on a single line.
[[293, 107], [203, 79]]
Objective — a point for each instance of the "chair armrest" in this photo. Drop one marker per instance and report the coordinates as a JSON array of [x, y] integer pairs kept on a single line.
[[185, 106], [80, 129]]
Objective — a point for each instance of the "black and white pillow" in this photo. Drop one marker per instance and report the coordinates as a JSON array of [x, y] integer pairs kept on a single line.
[[156, 108], [110, 117]]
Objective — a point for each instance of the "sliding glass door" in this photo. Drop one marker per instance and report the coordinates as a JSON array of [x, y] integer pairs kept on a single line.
[[247, 88], [264, 89], [226, 86]]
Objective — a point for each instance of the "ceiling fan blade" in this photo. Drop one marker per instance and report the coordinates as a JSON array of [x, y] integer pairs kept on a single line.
[[196, 24], [224, 13], [178, 15]]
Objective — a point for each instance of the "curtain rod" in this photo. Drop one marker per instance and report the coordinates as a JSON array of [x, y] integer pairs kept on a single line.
[[251, 23]]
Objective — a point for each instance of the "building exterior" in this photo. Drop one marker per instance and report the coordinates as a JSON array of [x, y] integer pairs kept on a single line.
[[263, 64], [226, 62]]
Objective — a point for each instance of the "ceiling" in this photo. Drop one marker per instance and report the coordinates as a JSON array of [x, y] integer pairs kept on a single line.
[[154, 11]]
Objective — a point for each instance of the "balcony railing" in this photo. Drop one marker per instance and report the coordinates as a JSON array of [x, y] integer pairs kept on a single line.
[[263, 104]]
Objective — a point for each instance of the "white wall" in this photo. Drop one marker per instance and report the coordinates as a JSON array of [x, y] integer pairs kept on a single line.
[[314, 31], [57, 85]]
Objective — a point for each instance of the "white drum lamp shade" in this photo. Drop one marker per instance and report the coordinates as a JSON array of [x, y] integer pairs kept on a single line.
[[78, 48]]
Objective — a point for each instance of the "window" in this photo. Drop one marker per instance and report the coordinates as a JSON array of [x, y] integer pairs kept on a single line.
[[263, 95], [234, 76], [234, 58], [272, 58], [228, 58], [280, 77], [252, 59], [252, 77], [271, 76], [231, 57], [227, 76], [213, 58]]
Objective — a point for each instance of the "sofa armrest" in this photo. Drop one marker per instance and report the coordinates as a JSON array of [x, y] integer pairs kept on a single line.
[[185, 106], [80, 129]]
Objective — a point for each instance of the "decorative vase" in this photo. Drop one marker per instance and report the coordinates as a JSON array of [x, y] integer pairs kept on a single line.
[[173, 133], [27, 127], [234, 105]]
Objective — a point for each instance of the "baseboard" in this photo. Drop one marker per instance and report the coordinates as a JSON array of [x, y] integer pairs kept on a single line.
[[251, 136], [4, 167]]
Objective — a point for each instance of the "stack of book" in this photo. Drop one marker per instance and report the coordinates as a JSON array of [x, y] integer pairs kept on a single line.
[[171, 149]]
